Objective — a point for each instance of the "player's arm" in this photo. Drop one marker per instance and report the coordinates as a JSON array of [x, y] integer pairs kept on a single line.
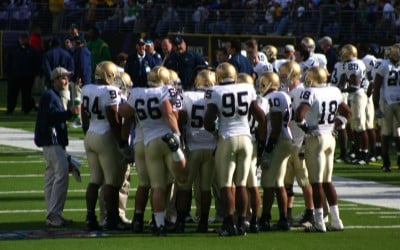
[[169, 115], [343, 114], [377, 89], [114, 121], [259, 115], [210, 117], [125, 110]]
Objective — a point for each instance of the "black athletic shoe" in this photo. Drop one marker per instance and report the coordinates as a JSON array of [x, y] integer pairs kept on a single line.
[[160, 231], [171, 141], [227, 230], [137, 227], [264, 226], [281, 225]]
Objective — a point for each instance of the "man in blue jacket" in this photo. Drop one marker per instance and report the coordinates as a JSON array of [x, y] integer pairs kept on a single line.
[[138, 64], [51, 134]]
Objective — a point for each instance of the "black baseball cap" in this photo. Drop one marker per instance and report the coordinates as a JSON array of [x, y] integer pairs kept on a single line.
[[178, 40]]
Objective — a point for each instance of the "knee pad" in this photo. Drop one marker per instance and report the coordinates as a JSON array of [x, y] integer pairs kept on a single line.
[[289, 190]]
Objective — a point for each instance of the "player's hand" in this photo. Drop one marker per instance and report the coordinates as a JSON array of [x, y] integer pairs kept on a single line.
[[260, 151], [270, 145], [378, 113], [127, 154]]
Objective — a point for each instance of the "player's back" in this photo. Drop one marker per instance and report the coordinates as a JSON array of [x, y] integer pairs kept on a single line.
[[196, 136], [324, 103], [391, 81], [233, 103], [95, 99], [279, 101], [147, 103]]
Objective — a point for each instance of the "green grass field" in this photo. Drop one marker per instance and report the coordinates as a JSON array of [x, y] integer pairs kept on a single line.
[[22, 208]]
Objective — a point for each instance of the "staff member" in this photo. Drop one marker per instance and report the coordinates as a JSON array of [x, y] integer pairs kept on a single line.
[[51, 134]]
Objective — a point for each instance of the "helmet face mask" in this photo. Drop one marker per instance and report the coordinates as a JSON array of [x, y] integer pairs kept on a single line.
[[308, 44], [225, 73], [267, 81], [204, 79], [348, 52], [158, 76], [289, 72], [106, 71], [315, 77]]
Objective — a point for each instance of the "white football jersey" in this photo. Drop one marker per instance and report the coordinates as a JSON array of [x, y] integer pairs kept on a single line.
[[233, 103], [279, 101], [262, 67], [262, 57], [356, 67], [263, 104], [277, 63], [95, 99], [297, 133], [138, 134], [305, 65], [337, 72], [390, 89], [196, 136], [378, 64], [321, 58], [324, 103], [147, 103]]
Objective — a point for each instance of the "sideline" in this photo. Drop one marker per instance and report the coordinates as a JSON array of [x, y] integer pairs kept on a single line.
[[363, 192]]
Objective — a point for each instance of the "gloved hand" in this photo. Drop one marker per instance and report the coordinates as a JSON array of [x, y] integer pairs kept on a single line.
[[270, 145], [378, 113], [304, 126], [127, 154], [260, 151]]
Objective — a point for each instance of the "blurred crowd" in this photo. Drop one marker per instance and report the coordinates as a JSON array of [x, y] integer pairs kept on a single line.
[[344, 20]]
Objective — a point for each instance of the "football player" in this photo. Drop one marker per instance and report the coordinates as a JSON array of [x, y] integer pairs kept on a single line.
[[277, 151], [154, 109], [102, 142], [321, 109], [231, 104], [309, 44], [258, 66], [200, 146], [355, 75], [289, 75], [370, 62], [272, 55], [386, 96], [252, 180]]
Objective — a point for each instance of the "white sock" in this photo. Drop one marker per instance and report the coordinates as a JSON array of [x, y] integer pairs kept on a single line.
[[160, 218], [335, 212], [319, 214], [178, 155]]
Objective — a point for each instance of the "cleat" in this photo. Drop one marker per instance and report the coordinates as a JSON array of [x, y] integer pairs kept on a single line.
[[265, 226], [281, 225], [160, 231], [336, 226], [227, 230], [58, 222], [137, 227], [254, 228], [372, 159], [171, 141], [386, 169], [117, 225], [202, 228], [317, 227]]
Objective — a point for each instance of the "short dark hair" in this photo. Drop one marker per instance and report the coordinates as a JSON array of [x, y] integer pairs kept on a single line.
[[236, 44]]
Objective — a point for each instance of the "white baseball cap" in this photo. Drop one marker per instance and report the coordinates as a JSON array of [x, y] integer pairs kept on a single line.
[[60, 71]]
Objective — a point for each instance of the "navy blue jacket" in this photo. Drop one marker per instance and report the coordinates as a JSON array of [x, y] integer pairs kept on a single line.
[[184, 64], [83, 65], [57, 57], [51, 126], [22, 62], [241, 63], [157, 58], [138, 70]]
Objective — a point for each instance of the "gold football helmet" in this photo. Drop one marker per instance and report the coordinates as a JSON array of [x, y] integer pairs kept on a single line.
[[315, 77], [174, 78], [348, 52], [267, 81], [225, 72], [106, 71], [158, 76], [245, 78], [393, 53], [291, 70], [271, 52], [124, 83], [204, 79], [308, 43]]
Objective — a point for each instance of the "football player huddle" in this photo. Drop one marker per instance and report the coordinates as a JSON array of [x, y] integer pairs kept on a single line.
[[240, 130]]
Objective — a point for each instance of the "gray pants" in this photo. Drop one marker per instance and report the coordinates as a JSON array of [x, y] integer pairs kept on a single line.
[[55, 180]]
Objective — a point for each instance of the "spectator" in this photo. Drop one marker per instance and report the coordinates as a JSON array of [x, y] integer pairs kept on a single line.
[[184, 62], [99, 49], [21, 69], [221, 56], [290, 52], [138, 64], [166, 47], [149, 47], [56, 8], [51, 134]]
